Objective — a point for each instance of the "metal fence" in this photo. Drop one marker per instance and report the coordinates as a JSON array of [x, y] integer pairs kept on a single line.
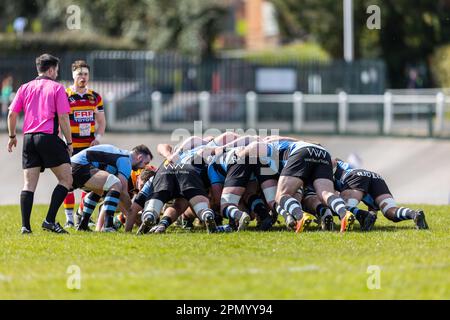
[[145, 91], [399, 115]]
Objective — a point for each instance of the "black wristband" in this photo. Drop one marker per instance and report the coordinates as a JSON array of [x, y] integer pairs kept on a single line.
[[69, 143], [12, 137]]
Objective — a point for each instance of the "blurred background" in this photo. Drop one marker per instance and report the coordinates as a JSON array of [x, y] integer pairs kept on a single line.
[[331, 67]]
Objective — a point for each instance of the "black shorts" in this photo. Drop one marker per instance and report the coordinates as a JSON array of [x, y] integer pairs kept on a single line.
[[369, 182], [81, 173], [238, 175], [309, 191], [43, 150], [165, 181], [309, 164], [190, 182]]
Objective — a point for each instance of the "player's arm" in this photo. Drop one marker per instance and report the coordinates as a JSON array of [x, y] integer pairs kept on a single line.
[[12, 123], [63, 111], [241, 141], [100, 120], [64, 124], [132, 216], [191, 143], [278, 138], [124, 196], [258, 149]]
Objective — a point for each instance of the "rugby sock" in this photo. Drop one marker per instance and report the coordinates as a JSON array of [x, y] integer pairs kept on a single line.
[[89, 204], [110, 206], [26, 204], [206, 212], [404, 214], [58, 196], [231, 212], [257, 205], [69, 204], [292, 206], [80, 208], [320, 210], [337, 205], [281, 211], [166, 222], [356, 211]]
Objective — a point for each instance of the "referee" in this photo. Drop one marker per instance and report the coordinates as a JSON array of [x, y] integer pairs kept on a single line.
[[45, 106]]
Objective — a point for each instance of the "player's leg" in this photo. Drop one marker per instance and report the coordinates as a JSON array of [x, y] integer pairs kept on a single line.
[[200, 205], [257, 206], [286, 202], [396, 214], [352, 198], [311, 203], [171, 214], [90, 201], [103, 181], [63, 173], [236, 183], [69, 204], [31, 178]]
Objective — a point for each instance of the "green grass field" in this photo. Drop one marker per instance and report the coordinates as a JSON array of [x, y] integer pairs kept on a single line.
[[247, 265]]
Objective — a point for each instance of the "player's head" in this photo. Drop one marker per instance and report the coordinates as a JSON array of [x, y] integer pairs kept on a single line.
[[148, 172], [80, 73], [142, 156], [47, 65]]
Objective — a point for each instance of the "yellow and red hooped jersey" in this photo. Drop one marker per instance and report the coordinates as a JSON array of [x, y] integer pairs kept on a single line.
[[82, 116]]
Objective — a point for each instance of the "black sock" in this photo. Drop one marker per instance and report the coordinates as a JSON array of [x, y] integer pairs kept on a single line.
[[166, 221], [356, 212], [404, 214], [337, 205], [257, 205], [58, 196], [89, 203], [292, 206], [320, 210], [26, 204], [111, 202]]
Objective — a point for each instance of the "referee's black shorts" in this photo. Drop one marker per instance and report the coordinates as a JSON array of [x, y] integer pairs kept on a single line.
[[43, 150]]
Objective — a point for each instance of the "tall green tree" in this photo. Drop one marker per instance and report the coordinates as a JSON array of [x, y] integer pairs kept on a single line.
[[410, 30]]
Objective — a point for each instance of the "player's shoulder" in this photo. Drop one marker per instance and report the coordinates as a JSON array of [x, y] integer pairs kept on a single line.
[[95, 94]]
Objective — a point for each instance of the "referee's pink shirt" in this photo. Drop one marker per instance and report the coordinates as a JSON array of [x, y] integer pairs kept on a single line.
[[41, 100]]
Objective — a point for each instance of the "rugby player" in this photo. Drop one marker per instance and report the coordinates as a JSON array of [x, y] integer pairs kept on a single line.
[[87, 123], [105, 168], [356, 185], [302, 163], [183, 178]]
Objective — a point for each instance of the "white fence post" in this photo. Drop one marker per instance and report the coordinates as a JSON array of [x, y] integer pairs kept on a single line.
[[252, 109], [111, 109], [299, 111], [440, 104], [156, 110], [204, 102], [388, 115], [343, 112]]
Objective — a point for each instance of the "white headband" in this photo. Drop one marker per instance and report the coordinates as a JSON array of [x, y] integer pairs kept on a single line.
[[80, 70]]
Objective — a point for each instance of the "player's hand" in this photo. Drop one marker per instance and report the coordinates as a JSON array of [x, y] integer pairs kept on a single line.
[[12, 142], [95, 142]]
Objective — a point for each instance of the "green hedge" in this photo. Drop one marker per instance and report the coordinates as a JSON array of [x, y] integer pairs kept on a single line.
[[298, 52], [60, 42], [440, 66]]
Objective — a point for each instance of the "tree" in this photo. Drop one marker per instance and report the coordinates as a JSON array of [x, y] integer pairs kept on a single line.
[[409, 34]]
